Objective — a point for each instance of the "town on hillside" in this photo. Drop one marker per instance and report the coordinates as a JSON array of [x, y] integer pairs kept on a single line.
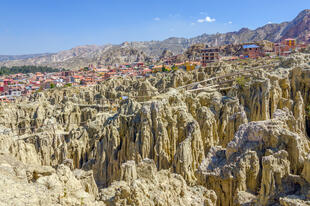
[[13, 86]]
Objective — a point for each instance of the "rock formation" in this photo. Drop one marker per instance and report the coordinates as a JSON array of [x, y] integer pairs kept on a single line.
[[142, 185], [22, 184], [230, 134]]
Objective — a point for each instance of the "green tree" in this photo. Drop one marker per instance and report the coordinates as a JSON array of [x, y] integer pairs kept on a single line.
[[26, 69], [68, 85], [40, 89], [174, 68], [164, 69]]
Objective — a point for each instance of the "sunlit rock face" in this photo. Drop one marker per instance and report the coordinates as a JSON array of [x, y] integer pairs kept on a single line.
[[142, 184], [243, 142]]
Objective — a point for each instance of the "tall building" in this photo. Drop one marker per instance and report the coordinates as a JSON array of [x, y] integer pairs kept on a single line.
[[285, 47], [291, 43], [210, 55]]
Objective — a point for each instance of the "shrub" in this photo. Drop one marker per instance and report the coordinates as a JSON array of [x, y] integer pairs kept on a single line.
[[241, 81], [308, 111], [68, 85]]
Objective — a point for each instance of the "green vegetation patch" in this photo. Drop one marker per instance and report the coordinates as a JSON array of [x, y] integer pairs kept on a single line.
[[241, 81], [308, 111], [26, 70]]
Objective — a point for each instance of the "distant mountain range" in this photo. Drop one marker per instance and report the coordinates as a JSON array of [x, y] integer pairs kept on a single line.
[[18, 57], [146, 51]]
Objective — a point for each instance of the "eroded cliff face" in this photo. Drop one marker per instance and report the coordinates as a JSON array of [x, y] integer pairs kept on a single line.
[[265, 159], [245, 136], [22, 184], [142, 185]]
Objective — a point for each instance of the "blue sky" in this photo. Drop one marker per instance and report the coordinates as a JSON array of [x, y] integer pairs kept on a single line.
[[36, 26]]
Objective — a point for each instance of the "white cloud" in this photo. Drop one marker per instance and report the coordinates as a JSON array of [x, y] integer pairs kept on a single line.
[[193, 24], [156, 19], [269, 22], [230, 22], [207, 19]]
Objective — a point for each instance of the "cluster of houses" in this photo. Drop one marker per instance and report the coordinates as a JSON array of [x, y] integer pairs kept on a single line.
[[187, 66], [253, 51], [17, 85], [137, 69]]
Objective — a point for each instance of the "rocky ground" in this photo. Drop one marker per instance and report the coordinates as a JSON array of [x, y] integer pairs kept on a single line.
[[229, 134]]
